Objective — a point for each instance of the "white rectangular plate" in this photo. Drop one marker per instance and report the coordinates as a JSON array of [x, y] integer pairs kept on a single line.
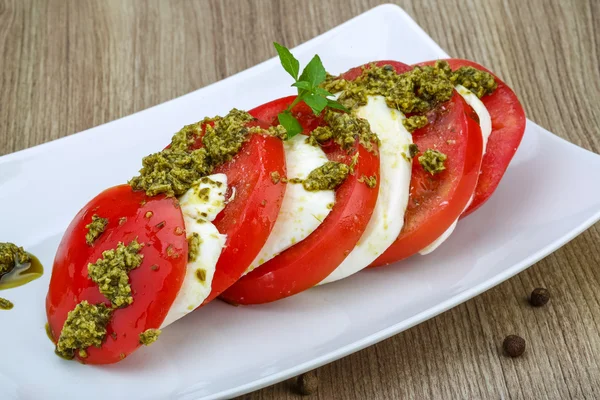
[[545, 200]]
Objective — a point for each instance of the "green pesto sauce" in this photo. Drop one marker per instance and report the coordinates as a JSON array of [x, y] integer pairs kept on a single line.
[[321, 134], [224, 140], [414, 92], [413, 150], [370, 181], [203, 194], [85, 326], [17, 267], [201, 275], [6, 304], [111, 272], [175, 169], [344, 129], [149, 336], [432, 161], [326, 177], [11, 255], [95, 229], [477, 81], [353, 162], [415, 122], [276, 131], [194, 242], [207, 181]]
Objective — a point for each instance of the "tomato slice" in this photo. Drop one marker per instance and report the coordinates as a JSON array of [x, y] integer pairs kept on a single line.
[[248, 219], [436, 201], [157, 222], [307, 263], [508, 127], [253, 205]]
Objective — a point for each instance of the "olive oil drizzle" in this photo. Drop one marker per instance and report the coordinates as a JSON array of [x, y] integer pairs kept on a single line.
[[49, 333], [22, 274]]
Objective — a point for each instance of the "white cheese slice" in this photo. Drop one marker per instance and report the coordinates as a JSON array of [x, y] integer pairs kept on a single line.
[[200, 205], [301, 211], [394, 182]]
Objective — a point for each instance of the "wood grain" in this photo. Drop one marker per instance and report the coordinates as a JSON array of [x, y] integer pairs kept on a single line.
[[66, 66]]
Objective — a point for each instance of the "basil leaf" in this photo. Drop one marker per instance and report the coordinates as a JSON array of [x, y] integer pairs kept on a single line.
[[288, 61], [322, 92], [336, 105], [316, 103], [303, 85], [314, 72], [291, 124], [308, 89]]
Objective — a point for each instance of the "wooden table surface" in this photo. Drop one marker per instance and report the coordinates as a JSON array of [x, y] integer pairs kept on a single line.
[[70, 65]]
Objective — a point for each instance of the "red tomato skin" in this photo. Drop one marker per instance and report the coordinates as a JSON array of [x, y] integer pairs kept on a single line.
[[154, 289], [253, 209], [426, 222], [250, 217], [422, 227], [508, 128], [310, 261]]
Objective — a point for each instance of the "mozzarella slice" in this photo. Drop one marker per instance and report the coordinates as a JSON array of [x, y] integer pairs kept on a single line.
[[394, 182], [485, 122], [301, 211], [200, 205]]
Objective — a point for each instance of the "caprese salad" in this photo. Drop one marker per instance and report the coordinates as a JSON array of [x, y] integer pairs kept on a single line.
[[358, 170]]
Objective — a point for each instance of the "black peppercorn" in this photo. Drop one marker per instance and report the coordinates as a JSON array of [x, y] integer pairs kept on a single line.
[[307, 383], [513, 345], [539, 297]]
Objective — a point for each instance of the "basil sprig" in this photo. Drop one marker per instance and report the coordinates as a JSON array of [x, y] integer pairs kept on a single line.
[[308, 87]]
